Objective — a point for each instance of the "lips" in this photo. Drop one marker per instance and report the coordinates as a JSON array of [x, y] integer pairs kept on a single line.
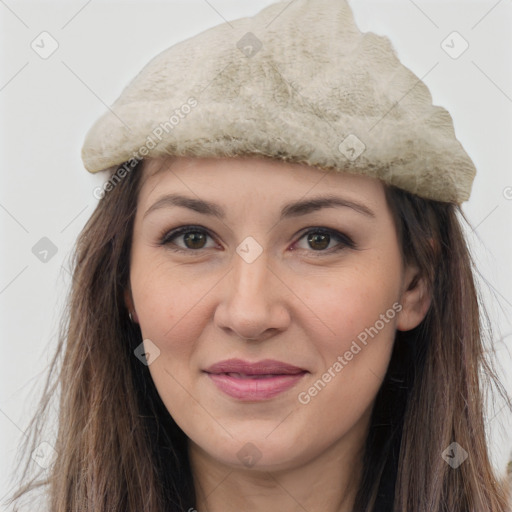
[[256, 381], [264, 367]]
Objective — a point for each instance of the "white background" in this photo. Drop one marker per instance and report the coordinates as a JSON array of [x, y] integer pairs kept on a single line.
[[47, 105]]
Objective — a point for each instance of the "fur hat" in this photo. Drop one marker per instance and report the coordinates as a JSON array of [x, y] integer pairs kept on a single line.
[[297, 82]]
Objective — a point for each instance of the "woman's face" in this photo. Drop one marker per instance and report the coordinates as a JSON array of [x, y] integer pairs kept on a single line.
[[284, 265]]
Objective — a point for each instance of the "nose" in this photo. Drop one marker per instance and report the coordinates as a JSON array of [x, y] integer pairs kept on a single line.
[[253, 305]]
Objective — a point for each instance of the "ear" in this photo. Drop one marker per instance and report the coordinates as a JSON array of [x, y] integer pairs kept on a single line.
[[128, 300], [415, 300]]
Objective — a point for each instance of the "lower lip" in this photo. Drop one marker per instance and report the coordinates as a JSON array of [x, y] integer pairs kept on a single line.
[[255, 389]]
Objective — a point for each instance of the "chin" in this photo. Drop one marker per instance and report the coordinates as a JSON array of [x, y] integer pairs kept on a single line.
[[256, 450]]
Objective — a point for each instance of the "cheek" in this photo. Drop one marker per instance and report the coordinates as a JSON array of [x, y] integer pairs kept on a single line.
[[167, 298], [164, 293], [358, 311], [350, 302], [170, 307]]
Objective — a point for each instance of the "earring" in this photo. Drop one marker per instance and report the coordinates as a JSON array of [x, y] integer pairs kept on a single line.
[[130, 316]]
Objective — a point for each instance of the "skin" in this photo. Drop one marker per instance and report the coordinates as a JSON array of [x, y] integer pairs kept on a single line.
[[300, 302]]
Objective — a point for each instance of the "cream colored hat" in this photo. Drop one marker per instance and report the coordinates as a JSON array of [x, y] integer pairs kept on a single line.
[[298, 82]]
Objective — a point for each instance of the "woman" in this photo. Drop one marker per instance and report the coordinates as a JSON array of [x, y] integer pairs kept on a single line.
[[273, 305]]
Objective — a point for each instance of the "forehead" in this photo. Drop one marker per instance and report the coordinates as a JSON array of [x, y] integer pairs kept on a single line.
[[246, 176]]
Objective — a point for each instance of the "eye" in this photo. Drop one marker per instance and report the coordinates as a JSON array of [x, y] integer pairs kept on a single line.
[[321, 240], [194, 238]]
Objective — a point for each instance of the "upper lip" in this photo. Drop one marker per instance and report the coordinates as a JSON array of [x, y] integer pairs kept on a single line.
[[264, 367]]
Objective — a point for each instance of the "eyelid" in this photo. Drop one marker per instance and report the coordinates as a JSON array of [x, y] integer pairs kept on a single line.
[[168, 235], [344, 240]]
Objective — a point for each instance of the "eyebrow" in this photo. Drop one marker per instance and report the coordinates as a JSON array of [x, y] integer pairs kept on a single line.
[[292, 209]]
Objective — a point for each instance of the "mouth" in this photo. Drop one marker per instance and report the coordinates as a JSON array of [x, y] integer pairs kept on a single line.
[[254, 382], [255, 376]]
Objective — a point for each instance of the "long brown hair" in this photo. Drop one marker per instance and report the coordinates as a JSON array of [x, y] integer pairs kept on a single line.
[[120, 450]]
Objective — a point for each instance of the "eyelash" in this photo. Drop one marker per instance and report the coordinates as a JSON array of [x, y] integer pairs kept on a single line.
[[344, 240]]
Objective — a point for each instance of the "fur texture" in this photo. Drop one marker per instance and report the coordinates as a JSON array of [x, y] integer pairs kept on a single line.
[[315, 80]]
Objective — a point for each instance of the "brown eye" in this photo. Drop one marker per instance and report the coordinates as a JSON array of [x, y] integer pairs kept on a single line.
[[319, 241], [191, 239], [323, 240], [194, 240]]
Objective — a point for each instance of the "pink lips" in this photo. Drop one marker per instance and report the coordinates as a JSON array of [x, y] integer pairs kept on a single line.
[[254, 381]]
